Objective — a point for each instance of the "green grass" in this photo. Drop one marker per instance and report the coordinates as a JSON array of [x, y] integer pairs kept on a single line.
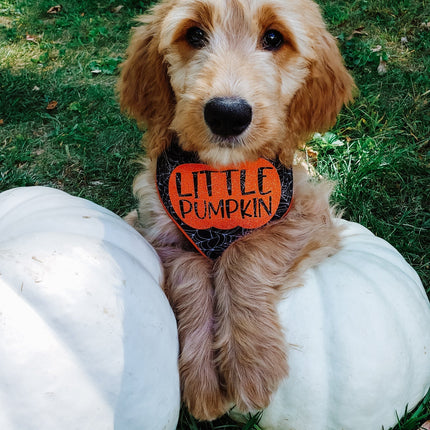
[[84, 145], [378, 152], [382, 166]]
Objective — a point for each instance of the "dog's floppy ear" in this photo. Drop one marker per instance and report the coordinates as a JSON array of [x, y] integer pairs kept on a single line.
[[328, 87], [144, 89]]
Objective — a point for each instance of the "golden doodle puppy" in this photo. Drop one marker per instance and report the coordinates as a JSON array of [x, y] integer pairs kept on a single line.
[[228, 90]]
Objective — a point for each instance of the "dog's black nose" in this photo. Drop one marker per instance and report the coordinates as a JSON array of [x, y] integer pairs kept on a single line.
[[227, 116]]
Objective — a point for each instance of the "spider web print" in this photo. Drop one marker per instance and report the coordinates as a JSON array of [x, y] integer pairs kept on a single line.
[[212, 240]]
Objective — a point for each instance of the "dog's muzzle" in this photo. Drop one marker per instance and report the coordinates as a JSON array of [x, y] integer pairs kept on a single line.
[[227, 116]]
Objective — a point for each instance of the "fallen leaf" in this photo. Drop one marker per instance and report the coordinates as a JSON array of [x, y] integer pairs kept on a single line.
[[377, 48], [425, 426], [382, 68], [357, 32], [51, 105], [1, 121], [117, 9], [54, 9], [425, 25], [311, 153], [30, 38]]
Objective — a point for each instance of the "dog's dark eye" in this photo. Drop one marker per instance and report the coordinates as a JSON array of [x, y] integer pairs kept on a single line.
[[196, 37], [272, 40]]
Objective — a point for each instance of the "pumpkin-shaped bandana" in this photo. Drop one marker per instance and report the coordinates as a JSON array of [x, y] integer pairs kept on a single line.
[[215, 207]]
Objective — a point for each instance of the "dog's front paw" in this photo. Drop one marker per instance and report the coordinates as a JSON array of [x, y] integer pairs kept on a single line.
[[252, 363], [201, 391], [251, 351]]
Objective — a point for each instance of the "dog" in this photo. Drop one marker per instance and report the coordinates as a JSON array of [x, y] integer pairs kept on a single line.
[[232, 83]]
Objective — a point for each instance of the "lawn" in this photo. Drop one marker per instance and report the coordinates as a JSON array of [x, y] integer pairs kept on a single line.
[[60, 123]]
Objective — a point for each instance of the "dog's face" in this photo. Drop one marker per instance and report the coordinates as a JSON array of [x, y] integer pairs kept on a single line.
[[234, 67], [234, 79]]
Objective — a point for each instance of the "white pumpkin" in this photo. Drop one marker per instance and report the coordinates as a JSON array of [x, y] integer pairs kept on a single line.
[[359, 335], [87, 338]]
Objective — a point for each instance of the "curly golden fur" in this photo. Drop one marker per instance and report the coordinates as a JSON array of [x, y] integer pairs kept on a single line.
[[232, 348]]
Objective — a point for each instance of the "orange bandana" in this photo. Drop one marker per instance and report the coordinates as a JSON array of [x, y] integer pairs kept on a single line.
[[215, 207]]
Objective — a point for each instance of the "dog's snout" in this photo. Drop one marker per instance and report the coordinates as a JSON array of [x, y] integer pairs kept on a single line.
[[227, 116]]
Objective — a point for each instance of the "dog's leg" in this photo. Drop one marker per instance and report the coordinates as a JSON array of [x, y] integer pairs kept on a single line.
[[249, 279], [188, 285]]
